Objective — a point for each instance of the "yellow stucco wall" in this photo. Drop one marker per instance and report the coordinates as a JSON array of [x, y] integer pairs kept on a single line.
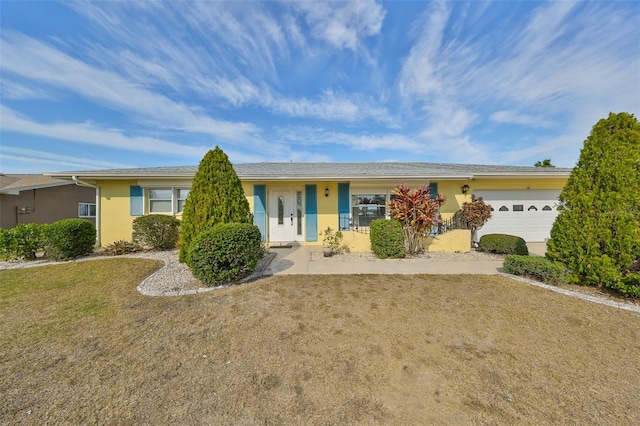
[[357, 242], [116, 223], [524, 183], [455, 241]]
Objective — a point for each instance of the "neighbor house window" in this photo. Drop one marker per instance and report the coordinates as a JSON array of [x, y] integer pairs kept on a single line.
[[87, 210], [366, 208]]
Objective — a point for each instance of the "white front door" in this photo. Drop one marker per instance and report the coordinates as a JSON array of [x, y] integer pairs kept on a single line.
[[282, 215]]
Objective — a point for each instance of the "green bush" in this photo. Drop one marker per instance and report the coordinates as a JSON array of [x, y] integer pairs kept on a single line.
[[216, 196], [539, 268], [159, 231], [387, 238], [69, 238], [597, 232], [21, 242], [503, 244], [121, 247], [225, 253]]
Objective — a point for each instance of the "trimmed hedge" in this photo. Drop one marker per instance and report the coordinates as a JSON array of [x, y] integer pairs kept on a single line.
[[69, 238], [159, 231], [539, 268], [503, 244], [21, 242], [387, 238], [225, 253]]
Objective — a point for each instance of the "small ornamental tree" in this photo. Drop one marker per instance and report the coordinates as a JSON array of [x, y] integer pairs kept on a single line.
[[216, 196], [597, 232], [417, 212], [476, 213]]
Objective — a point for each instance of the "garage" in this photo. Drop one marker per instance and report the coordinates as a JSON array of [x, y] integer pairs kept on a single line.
[[529, 214]]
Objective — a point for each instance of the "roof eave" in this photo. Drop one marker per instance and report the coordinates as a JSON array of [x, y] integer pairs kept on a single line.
[[17, 189], [350, 177], [521, 175]]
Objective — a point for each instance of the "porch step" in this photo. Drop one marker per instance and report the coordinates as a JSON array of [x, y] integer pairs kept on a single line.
[[280, 245]]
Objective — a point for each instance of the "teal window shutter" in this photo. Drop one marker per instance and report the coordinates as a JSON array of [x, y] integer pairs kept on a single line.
[[260, 209], [343, 206], [136, 200], [433, 190], [311, 212]]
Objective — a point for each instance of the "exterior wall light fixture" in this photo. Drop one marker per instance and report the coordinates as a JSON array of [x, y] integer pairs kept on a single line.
[[326, 192], [465, 188]]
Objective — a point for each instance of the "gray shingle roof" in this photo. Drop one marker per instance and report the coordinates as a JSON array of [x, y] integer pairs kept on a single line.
[[331, 171], [22, 182]]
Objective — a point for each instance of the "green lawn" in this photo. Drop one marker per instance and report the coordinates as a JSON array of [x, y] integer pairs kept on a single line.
[[79, 345]]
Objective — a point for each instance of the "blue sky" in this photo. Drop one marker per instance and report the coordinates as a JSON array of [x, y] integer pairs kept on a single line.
[[94, 85]]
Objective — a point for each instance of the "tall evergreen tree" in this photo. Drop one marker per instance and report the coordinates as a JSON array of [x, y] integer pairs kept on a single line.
[[216, 196], [597, 233]]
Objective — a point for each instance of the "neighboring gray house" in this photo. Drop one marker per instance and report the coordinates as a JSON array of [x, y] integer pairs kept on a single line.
[[43, 199]]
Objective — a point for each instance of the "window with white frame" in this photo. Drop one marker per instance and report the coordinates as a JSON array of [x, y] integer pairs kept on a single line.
[[87, 210], [366, 208], [181, 195], [167, 200], [160, 200]]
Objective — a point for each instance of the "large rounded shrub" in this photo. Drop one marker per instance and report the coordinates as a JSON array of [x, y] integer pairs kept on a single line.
[[225, 253], [387, 238], [503, 244], [21, 242], [159, 231], [69, 238]]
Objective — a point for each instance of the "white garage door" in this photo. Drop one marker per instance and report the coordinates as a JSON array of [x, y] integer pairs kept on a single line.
[[526, 213]]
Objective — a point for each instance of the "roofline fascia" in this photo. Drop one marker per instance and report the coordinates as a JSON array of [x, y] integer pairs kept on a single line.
[[108, 176], [521, 175], [350, 178]]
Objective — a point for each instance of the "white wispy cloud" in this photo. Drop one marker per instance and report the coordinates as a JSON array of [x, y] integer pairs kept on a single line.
[[342, 24], [257, 38], [37, 61], [332, 106], [513, 117], [15, 91], [570, 64], [90, 134], [316, 136], [51, 158]]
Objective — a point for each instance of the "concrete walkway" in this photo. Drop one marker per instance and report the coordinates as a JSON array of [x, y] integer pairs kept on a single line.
[[305, 260]]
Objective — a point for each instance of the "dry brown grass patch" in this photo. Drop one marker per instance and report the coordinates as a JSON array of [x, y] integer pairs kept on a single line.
[[309, 349]]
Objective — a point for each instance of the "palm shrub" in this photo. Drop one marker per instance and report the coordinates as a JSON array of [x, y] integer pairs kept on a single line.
[[69, 239], [417, 212], [120, 247], [387, 238], [216, 196], [158, 231], [225, 253], [597, 232]]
